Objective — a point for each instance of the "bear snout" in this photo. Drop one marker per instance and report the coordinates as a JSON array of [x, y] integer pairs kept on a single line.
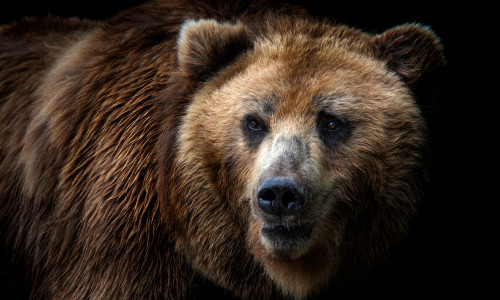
[[280, 202], [281, 196]]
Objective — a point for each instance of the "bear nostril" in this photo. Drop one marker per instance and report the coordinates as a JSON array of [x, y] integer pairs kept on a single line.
[[280, 196], [267, 195], [266, 199], [288, 199]]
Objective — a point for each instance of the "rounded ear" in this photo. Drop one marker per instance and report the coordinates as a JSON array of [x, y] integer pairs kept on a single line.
[[206, 46], [415, 53]]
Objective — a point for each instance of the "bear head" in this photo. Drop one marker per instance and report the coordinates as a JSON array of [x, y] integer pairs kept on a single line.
[[294, 150]]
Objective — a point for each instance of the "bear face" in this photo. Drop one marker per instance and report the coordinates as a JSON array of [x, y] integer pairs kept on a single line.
[[310, 135]]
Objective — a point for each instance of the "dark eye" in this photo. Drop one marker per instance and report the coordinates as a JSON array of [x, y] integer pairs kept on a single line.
[[332, 125], [333, 129], [254, 130], [329, 123], [254, 124]]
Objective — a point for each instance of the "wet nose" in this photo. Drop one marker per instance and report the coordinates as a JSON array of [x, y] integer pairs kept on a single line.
[[281, 196]]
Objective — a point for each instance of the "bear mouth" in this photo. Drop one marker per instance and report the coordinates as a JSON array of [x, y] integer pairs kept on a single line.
[[286, 241]]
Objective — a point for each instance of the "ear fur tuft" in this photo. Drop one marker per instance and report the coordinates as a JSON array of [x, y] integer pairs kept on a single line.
[[206, 46], [412, 51]]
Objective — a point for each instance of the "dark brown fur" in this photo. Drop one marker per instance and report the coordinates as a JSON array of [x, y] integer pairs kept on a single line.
[[96, 200]]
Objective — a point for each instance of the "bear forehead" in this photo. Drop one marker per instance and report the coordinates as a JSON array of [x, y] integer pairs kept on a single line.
[[311, 74], [301, 58]]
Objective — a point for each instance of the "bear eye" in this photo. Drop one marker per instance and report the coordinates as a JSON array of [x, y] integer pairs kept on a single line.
[[333, 129], [332, 125], [254, 130], [329, 123], [253, 123]]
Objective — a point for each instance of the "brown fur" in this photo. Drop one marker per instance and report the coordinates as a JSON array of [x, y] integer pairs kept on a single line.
[[124, 173]]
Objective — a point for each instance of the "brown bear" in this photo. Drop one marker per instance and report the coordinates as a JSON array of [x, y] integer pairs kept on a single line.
[[186, 146]]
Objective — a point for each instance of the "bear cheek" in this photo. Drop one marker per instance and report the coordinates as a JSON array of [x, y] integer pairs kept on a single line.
[[254, 183]]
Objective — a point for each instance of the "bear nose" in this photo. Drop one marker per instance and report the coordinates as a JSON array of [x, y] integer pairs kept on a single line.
[[281, 196]]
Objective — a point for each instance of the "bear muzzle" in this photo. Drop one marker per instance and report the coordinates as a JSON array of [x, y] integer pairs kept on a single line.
[[280, 201]]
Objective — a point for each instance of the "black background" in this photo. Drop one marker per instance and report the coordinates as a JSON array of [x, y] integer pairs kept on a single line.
[[450, 250]]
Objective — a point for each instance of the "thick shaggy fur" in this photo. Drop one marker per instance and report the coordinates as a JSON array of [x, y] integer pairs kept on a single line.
[[125, 174]]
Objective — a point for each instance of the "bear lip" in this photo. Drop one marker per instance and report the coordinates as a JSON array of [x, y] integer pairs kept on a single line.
[[287, 232], [286, 240]]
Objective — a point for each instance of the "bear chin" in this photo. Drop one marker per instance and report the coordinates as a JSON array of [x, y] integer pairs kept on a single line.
[[292, 257], [287, 242]]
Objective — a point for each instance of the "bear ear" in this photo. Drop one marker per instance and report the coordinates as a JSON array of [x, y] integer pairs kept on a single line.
[[414, 52], [206, 46]]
